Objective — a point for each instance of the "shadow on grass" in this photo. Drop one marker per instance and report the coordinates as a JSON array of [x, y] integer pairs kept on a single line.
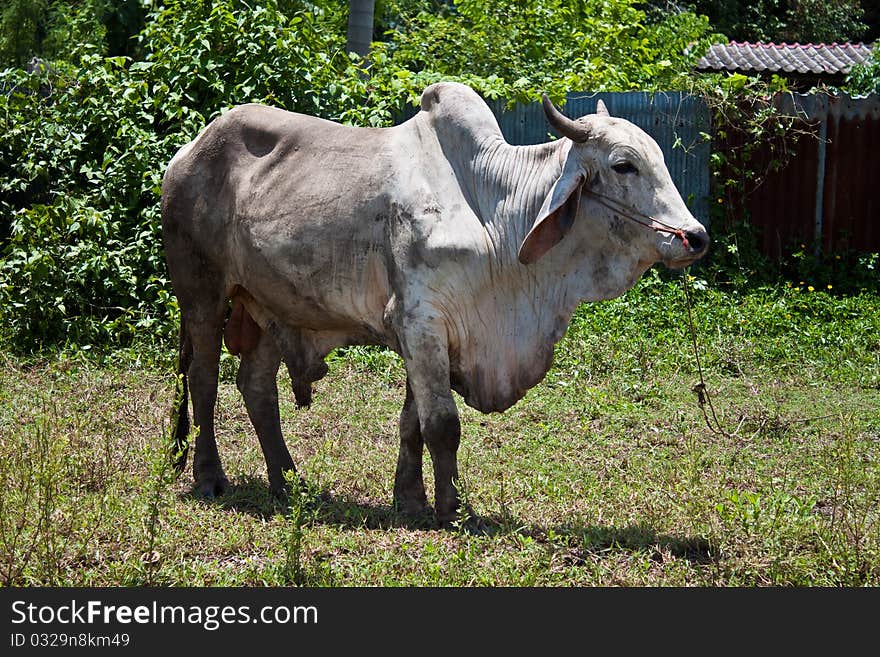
[[251, 495], [588, 541], [248, 495], [595, 539]]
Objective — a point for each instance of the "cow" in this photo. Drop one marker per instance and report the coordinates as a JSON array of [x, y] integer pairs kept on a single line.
[[288, 236]]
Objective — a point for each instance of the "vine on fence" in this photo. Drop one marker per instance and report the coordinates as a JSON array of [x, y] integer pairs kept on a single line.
[[752, 138]]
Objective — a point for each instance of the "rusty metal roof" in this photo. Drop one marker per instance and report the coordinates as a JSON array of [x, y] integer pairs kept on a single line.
[[784, 57]]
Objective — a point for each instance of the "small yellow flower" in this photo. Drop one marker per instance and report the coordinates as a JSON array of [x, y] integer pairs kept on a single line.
[[721, 200], [837, 257], [797, 289], [829, 286], [811, 288]]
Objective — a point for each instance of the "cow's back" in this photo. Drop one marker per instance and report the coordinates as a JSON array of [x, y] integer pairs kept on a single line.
[[291, 208], [254, 156]]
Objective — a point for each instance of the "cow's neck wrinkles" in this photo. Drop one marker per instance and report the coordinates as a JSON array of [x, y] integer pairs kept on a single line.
[[511, 183], [504, 185], [509, 186], [529, 306]]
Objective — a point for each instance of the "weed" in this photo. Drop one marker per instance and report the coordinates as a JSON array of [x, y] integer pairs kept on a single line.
[[161, 476], [48, 518], [295, 522]]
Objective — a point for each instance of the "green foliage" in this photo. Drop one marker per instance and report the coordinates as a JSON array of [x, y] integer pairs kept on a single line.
[[210, 56], [20, 24], [83, 147], [552, 45], [864, 78], [79, 186], [57, 29], [743, 21], [805, 21], [844, 273], [752, 138], [821, 21]]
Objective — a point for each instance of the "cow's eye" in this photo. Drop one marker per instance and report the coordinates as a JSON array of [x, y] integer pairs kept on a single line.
[[624, 167]]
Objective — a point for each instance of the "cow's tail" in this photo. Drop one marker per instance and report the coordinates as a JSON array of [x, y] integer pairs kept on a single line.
[[180, 411]]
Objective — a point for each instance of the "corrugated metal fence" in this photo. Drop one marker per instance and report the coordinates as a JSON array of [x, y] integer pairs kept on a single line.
[[826, 197], [675, 120], [827, 194]]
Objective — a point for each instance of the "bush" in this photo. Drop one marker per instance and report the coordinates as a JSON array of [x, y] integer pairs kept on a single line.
[[83, 148], [864, 78], [553, 45], [79, 181]]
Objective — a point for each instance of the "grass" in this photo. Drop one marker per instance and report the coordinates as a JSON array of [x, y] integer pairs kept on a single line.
[[605, 474]]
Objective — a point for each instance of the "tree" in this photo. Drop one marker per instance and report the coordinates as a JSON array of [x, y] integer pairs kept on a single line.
[[54, 29], [553, 45], [360, 26], [22, 25], [793, 21], [864, 78]]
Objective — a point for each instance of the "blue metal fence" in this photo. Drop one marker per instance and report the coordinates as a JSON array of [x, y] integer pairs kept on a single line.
[[826, 193], [678, 122]]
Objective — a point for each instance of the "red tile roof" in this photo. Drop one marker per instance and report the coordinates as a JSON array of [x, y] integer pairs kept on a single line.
[[784, 57]]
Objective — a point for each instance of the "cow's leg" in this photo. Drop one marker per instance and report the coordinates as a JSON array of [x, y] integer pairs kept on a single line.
[[257, 381], [427, 369], [205, 332], [409, 485]]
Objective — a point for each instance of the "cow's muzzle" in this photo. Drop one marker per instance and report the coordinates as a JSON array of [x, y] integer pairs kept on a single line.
[[697, 242]]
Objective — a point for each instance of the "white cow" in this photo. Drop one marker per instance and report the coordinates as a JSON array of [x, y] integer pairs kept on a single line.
[[435, 238]]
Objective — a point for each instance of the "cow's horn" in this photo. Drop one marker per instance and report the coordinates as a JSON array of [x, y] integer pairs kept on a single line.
[[562, 124]]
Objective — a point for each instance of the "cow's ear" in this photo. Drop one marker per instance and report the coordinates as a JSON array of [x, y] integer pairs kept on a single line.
[[554, 219]]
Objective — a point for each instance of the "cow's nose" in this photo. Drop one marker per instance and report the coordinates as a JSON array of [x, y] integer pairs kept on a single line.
[[698, 240]]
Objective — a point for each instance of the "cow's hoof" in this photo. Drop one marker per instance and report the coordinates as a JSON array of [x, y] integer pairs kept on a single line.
[[462, 520], [295, 493], [212, 487], [412, 508], [448, 523]]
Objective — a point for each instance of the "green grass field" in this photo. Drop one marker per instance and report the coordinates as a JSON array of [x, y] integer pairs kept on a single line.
[[605, 474]]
